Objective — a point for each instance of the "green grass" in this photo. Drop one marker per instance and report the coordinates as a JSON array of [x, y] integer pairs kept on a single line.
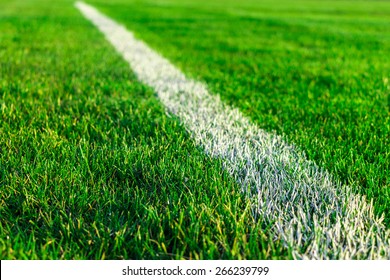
[[317, 72], [92, 167]]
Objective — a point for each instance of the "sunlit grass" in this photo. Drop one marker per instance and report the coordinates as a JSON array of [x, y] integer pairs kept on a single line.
[[92, 167], [316, 72]]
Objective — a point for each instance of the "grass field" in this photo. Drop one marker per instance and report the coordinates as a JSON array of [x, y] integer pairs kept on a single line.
[[92, 167]]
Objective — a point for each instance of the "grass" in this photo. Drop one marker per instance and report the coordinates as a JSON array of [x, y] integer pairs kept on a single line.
[[92, 167], [316, 72]]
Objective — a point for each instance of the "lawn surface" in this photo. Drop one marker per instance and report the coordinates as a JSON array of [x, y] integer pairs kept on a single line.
[[316, 72], [92, 167]]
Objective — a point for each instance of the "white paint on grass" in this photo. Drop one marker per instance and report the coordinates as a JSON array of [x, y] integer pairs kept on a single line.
[[308, 210]]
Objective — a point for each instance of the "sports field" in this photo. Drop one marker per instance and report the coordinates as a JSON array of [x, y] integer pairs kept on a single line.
[[279, 157]]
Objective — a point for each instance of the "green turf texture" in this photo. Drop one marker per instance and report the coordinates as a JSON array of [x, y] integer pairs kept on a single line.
[[315, 71], [91, 166]]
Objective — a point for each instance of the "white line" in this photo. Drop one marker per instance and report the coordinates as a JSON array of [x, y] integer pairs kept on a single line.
[[310, 212]]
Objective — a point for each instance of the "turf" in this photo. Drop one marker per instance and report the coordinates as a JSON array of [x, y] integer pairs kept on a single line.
[[316, 72], [91, 166]]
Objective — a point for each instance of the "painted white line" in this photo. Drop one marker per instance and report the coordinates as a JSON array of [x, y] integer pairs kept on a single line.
[[311, 212]]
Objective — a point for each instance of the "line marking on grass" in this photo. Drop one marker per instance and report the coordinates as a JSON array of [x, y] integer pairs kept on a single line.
[[309, 211]]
